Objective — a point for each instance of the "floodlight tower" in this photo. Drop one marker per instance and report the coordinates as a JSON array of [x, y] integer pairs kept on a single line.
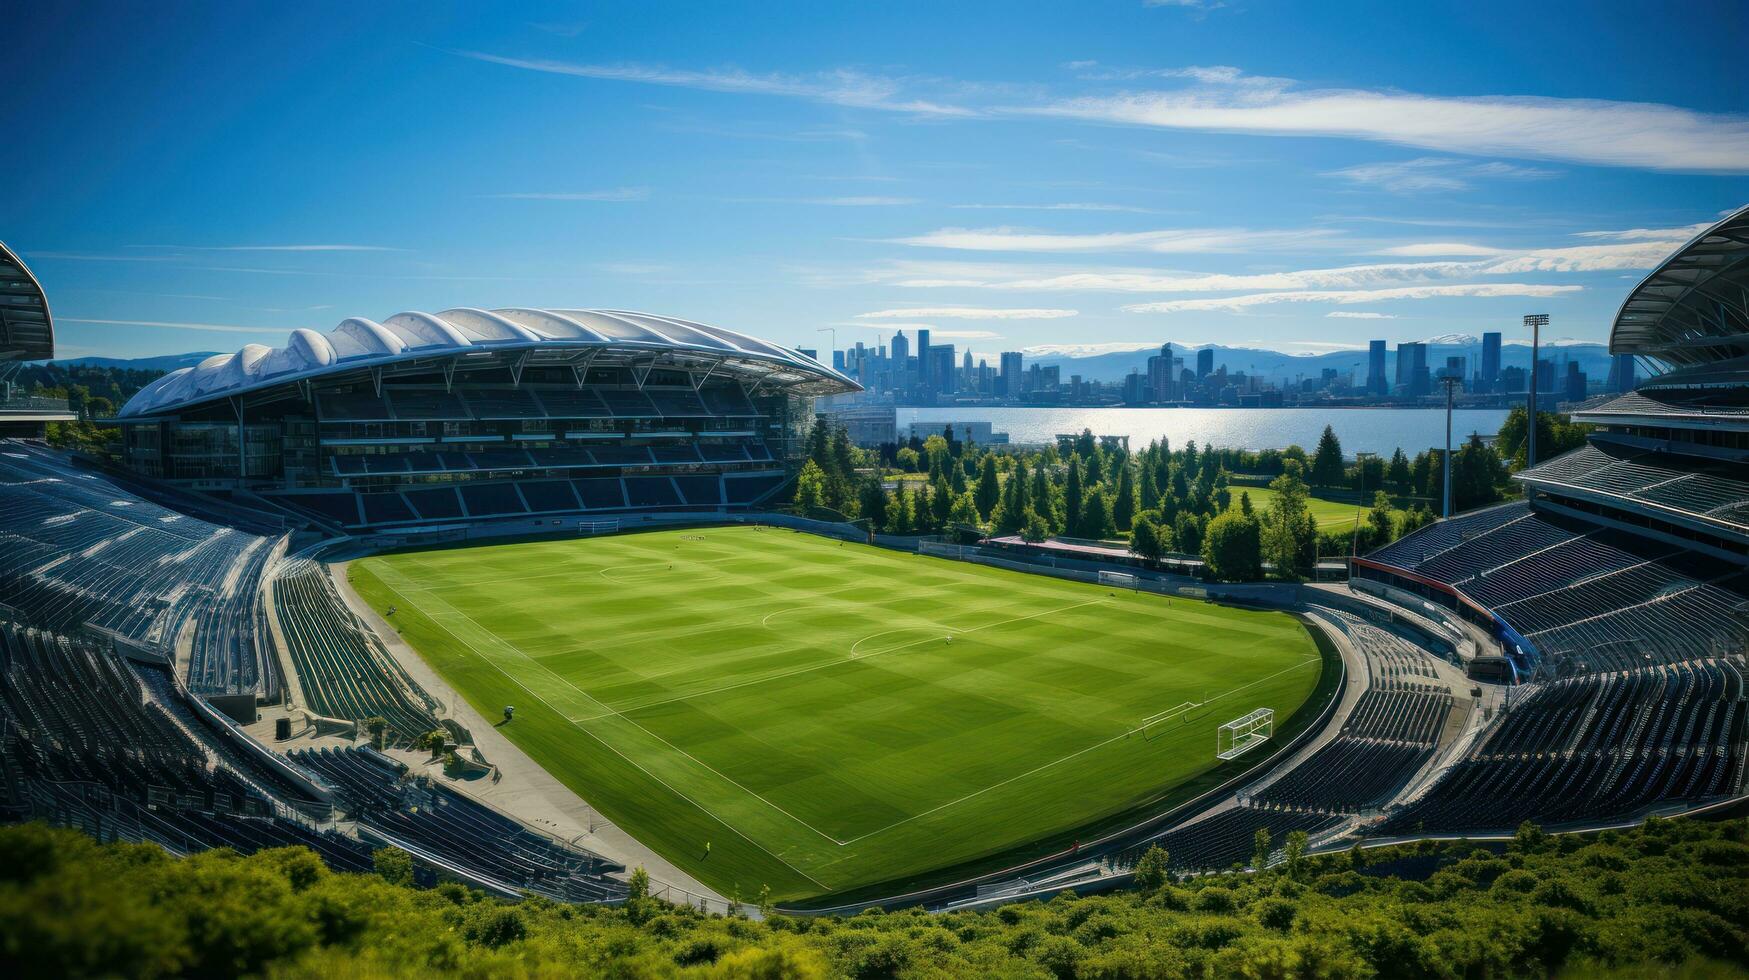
[[1360, 459], [1452, 384], [1535, 321]]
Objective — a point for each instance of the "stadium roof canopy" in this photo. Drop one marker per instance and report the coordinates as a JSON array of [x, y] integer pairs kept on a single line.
[[424, 342], [1692, 312], [26, 331]]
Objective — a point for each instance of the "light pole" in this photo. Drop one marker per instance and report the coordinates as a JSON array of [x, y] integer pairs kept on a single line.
[[1535, 321], [1360, 459], [1452, 384]]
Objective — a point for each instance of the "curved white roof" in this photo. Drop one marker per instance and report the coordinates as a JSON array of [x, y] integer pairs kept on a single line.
[[1691, 312], [358, 342]]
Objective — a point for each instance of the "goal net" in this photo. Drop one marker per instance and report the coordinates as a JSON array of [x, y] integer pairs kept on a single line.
[[1241, 735], [598, 527], [941, 549], [1122, 580]]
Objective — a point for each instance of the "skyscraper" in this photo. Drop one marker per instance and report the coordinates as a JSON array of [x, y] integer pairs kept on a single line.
[[901, 349], [1011, 374], [1376, 382], [1160, 374], [1490, 361], [1412, 377], [941, 375], [1621, 373], [1205, 362], [924, 365]]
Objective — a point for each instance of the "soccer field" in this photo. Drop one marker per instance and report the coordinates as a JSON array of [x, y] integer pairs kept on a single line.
[[766, 707]]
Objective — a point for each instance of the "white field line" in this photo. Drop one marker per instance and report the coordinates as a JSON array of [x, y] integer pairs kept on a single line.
[[609, 745], [1080, 752]]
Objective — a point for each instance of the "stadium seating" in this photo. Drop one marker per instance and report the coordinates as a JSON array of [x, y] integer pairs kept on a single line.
[[1226, 839], [83, 551], [1596, 745], [383, 797], [344, 671]]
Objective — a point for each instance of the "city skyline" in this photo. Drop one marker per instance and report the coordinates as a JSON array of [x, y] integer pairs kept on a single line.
[[1302, 180]]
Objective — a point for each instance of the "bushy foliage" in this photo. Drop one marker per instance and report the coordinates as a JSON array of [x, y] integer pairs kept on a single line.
[[1668, 899]]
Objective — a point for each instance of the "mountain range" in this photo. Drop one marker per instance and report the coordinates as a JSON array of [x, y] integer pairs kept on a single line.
[[1593, 358]]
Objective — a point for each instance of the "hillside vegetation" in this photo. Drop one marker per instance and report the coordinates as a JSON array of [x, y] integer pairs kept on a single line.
[[1666, 900]]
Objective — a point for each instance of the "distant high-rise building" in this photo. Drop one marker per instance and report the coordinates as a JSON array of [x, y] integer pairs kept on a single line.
[[1412, 376], [1490, 361], [1010, 385], [838, 360], [1160, 374], [1454, 366], [1621, 373], [924, 364], [810, 352], [900, 349], [941, 372], [1512, 380], [966, 361], [1376, 383], [1205, 362], [1576, 381]]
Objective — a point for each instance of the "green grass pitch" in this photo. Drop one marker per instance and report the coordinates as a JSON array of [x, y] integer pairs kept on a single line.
[[766, 707]]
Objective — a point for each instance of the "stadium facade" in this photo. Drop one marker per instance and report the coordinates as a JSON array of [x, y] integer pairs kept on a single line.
[[27, 333], [469, 415], [1636, 546]]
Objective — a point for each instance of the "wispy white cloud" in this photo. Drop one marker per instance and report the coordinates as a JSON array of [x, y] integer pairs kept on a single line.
[[1436, 174], [1358, 315], [161, 324], [841, 87], [1071, 206], [1426, 249], [272, 248], [617, 194], [1681, 233], [860, 201], [1180, 240], [1348, 297], [966, 313], [1587, 131]]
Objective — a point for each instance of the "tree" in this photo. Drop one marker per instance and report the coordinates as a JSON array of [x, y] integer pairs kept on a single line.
[[1398, 473], [394, 866], [1245, 504], [1145, 538], [1154, 871], [1327, 469], [1072, 502], [1034, 529], [1294, 854], [874, 502], [1260, 848], [1555, 434], [965, 511], [940, 501], [989, 492], [1123, 506], [1187, 530], [1096, 519], [810, 487], [1380, 520], [1289, 532], [1477, 475], [1232, 549], [907, 459]]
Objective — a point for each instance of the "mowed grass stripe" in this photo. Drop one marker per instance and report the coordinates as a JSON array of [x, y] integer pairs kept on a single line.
[[727, 682]]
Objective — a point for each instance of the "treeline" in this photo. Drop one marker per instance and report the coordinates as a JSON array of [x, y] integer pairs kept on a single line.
[[1163, 501], [93, 393], [1667, 899]]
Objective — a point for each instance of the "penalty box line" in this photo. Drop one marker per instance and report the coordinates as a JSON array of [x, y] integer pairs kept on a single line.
[[575, 723]]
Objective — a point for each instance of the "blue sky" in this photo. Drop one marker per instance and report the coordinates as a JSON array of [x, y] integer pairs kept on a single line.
[[1013, 175]]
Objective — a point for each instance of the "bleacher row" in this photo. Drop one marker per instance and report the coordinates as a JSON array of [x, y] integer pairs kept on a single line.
[[473, 499], [342, 668], [378, 792], [546, 458], [1226, 839], [82, 551], [91, 741], [1684, 483], [1587, 598], [1387, 737], [1596, 745], [533, 402]]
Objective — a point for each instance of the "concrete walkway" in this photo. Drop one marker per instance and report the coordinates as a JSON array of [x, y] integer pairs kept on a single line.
[[524, 790]]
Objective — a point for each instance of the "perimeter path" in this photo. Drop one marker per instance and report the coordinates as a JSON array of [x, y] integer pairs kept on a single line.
[[525, 790]]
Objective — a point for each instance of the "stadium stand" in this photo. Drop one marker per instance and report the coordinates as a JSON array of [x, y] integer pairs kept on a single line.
[[408, 810], [84, 552], [343, 670]]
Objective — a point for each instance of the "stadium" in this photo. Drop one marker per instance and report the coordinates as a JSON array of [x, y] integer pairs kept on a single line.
[[517, 593]]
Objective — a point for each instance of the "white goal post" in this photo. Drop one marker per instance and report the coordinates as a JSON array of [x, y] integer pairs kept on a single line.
[[598, 527], [941, 549], [1122, 580], [1241, 735]]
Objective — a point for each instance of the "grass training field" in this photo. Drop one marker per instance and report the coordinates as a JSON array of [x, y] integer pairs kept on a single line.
[[1330, 514], [766, 707]]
